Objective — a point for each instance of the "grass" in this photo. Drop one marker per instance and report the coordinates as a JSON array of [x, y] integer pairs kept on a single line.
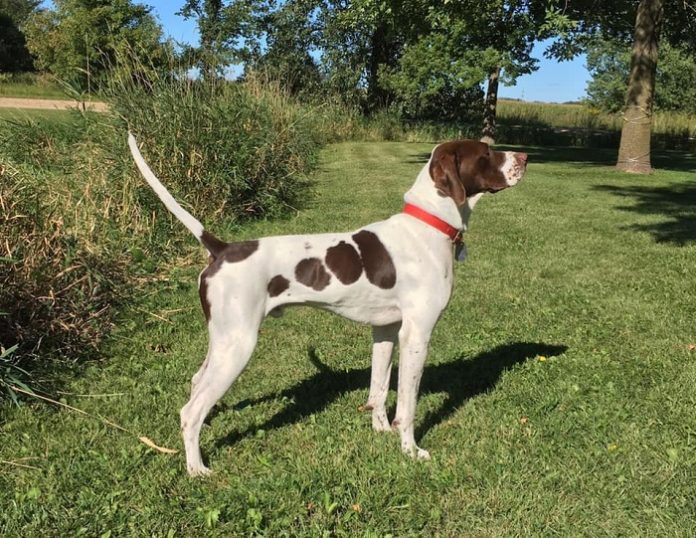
[[33, 85], [558, 398]]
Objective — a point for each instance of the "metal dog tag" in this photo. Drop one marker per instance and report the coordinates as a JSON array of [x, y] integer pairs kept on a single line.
[[460, 251]]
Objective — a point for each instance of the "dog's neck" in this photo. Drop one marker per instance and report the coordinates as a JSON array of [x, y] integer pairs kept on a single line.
[[424, 195]]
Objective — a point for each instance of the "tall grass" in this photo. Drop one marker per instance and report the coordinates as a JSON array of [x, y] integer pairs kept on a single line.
[[70, 227], [81, 229], [237, 149]]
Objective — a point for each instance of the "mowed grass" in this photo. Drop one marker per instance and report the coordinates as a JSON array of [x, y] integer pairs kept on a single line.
[[559, 397]]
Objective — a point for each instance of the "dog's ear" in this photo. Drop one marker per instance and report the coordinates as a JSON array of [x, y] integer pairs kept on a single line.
[[444, 170]]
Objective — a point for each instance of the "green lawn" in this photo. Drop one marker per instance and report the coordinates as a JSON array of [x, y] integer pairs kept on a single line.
[[559, 397]]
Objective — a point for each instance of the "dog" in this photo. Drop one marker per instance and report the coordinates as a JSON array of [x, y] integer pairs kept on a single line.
[[395, 275]]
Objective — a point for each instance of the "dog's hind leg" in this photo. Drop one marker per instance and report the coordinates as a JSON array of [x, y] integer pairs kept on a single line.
[[229, 351], [383, 339]]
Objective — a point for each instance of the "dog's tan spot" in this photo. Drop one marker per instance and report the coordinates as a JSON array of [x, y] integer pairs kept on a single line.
[[378, 264], [277, 285], [344, 262], [312, 274]]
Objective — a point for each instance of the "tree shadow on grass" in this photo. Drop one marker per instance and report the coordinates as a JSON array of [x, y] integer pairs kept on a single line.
[[460, 379], [675, 202]]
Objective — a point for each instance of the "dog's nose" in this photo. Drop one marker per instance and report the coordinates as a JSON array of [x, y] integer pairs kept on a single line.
[[521, 158]]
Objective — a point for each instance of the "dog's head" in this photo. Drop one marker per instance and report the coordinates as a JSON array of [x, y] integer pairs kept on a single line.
[[466, 167]]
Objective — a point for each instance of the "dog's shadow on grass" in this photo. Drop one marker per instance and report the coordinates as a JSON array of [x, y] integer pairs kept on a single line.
[[460, 379]]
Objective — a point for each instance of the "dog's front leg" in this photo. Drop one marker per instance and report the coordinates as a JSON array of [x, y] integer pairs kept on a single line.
[[413, 345], [383, 339]]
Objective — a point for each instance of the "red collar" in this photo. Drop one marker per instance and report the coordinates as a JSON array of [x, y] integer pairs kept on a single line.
[[454, 234]]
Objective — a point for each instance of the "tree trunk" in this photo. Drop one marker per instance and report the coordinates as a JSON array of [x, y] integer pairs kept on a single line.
[[634, 151], [490, 107], [378, 97]]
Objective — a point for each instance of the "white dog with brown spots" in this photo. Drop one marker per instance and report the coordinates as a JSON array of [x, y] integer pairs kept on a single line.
[[395, 275]]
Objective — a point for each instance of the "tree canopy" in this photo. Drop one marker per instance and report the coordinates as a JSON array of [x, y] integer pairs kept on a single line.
[[79, 40]]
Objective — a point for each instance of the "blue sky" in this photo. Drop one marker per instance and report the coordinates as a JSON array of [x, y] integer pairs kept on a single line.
[[552, 82]]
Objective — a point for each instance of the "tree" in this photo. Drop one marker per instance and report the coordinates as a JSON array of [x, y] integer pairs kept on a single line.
[[465, 46], [290, 40], [361, 40], [634, 149], [608, 61], [14, 55], [227, 30], [673, 21], [80, 40]]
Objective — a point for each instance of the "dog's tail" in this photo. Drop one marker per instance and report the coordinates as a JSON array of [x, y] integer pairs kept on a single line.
[[208, 240]]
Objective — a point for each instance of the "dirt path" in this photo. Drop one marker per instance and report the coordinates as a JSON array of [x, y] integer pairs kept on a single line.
[[50, 104]]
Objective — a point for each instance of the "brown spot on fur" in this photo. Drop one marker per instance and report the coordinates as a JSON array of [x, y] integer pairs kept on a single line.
[[379, 267], [312, 274], [232, 253], [277, 285], [203, 293], [228, 252], [212, 243], [344, 262], [237, 252]]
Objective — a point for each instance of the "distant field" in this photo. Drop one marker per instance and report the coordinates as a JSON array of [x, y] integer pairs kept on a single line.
[[584, 117]]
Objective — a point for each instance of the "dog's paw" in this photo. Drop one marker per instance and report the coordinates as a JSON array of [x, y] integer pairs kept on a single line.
[[422, 454], [198, 471], [415, 452], [380, 423]]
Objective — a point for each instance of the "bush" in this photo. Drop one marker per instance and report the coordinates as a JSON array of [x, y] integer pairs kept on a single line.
[[238, 149], [64, 255]]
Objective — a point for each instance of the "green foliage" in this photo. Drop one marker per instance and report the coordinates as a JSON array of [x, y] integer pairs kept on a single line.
[[585, 21], [608, 62], [14, 55], [79, 40], [289, 41], [227, 31], [429, 85], [12, 376], [30, 85]]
